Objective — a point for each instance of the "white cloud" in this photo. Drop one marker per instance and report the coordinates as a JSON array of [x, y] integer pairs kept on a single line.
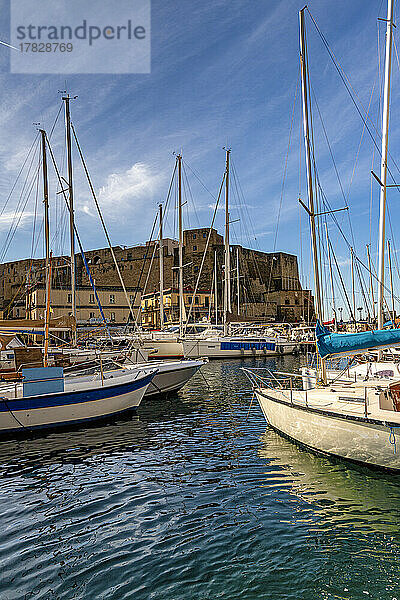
[[129, 190], [6, 219]]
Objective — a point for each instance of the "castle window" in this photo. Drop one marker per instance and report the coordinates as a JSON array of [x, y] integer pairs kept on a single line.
[[69, 300], [91, 298], [194, 236], [194, 248], [112, 299], [204, 235]]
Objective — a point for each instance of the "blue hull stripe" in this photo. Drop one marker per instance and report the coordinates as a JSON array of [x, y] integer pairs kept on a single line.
[[247, 346], [78, 397]]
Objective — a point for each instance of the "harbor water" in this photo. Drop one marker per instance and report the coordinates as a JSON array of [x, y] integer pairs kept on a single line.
[[193, 498]]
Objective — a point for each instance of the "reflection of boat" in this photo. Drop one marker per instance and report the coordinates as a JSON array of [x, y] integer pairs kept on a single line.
[[28, 456], [336, 492]]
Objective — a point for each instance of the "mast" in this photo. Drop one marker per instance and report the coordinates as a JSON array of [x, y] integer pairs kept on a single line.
[[180, 248], [237, 280], [215, 287], [384, 154], [371, 284], [391, 281], [47, 245], [161, 248], [306, 128], [331, 276], [353, 294], [227, 261], [66, 99]]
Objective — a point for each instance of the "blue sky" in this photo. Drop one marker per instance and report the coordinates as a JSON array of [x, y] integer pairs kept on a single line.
[[223, 72]]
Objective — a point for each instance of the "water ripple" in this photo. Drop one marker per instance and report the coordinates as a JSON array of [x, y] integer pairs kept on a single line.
[[190, 499]]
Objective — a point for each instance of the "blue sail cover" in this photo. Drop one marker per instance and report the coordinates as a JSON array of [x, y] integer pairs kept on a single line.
[[330, 344]]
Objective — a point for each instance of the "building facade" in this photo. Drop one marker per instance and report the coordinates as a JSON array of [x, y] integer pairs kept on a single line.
[[201, 303], [264, 286], [112, 300]]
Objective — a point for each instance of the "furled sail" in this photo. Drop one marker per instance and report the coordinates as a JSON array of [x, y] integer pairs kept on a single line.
[[331, 344]]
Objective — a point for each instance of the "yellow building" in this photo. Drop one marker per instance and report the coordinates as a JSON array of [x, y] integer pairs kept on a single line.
[[150, 303], [112, 300]]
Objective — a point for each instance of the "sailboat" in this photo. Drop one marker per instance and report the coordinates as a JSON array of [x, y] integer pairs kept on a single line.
[[46, 397], [220, 344], [358, 421]]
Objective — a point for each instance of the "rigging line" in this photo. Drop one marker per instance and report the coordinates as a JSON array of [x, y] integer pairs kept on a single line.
[[374, 275], [393, 237], [102, 222], [79, 240], [256, 266], [284, 175], [326, 203], [185, 178], [27, 184], [35, 141], [342, 282], [17, 219], [359, 275], [348, 85], [344, 78], [206, 248], [169, 191], [251, 235], [34, 220], [199, 179], [361, 139], [55, 120], [143, 265]]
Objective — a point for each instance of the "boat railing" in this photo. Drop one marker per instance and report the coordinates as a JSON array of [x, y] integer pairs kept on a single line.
[[272, 379]]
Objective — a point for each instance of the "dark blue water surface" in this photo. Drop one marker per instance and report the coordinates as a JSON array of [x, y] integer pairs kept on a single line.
[[190, 499]]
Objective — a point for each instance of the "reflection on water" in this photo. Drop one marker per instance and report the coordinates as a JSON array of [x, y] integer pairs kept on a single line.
[[338, 493], [189, 499]]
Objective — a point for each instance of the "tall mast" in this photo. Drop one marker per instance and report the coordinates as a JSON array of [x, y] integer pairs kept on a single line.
[[71, 211], [161, 248], [227, 262], [331, 276], [385, 132], [47, 244], [371, 284], [353, 293], [180, 248], [215, 287], [306, 129], [238, 280], [391, 281]]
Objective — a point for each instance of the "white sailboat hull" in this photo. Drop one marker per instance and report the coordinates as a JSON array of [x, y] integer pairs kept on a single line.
[[171, 376], [79, 402], [161, 349], [357, 439], [220, 349]]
